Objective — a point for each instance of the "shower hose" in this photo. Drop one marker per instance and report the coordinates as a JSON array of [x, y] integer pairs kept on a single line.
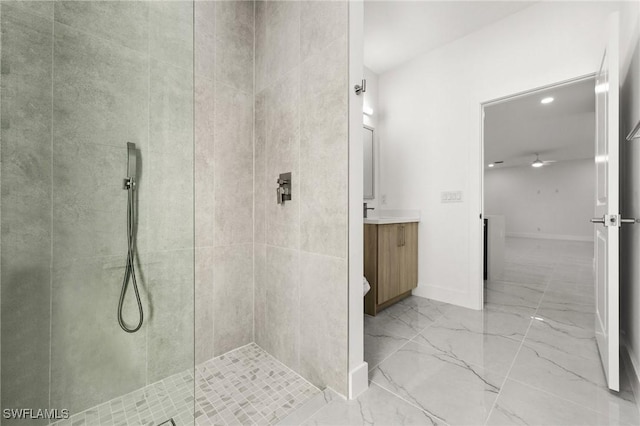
[[130, 269]]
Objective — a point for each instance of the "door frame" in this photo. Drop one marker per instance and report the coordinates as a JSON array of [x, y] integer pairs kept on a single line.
[[483, 105]]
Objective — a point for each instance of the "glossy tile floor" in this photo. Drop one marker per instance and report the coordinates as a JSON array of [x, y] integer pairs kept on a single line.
[[529, 358], [246, 386]]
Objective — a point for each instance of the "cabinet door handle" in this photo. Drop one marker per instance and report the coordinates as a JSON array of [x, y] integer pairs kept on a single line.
[[404, 236], [399, 236]]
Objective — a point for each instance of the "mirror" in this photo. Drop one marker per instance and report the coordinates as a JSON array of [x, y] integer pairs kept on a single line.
[[368, 163]]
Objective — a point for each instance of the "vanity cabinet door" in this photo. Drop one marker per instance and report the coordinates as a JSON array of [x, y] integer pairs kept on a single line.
[[389, 258], [408, 257]]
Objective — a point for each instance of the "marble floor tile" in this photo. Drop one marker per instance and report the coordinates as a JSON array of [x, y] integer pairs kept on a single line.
[[447, 388], [509, 295], [519, 404], [389, 322], [376, 406], [561, 337], [570, 293], [536, 328], [494, 319], [379, 344], [470, 344], [570, 376], [395, 326], [570, 314]]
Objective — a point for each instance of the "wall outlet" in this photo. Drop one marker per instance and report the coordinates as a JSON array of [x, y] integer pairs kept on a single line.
[[451, 197], [384, 199]]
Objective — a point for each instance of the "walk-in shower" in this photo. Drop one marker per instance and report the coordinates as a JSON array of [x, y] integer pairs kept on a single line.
[[130, 267], [234, 307]]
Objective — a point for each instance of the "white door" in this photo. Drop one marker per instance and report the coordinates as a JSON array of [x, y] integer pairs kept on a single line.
[[607, 218]]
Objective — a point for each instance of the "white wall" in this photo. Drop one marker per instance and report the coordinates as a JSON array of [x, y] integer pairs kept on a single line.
[[630, 179], [430, 127], [358, 369], [371, 101], [555, 201]]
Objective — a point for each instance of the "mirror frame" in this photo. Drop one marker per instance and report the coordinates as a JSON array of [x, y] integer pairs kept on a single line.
[[373, 164]]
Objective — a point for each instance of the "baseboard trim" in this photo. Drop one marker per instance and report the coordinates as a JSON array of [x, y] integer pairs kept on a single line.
[[358, 380], [632, 368], [550, 236], [445, 295]]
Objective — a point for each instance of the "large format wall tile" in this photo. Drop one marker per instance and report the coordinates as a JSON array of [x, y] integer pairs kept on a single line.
[[170, 319], [260, 326], [171, 97], [89, 205], [233, 167], [282, 48], [323, 152], [99, 103], [204, 303], [282, 305], [323, 294], [43, 8], [171, 32], [283, 151], [321, 22], [100, 91], [168, 195], [125, 23], [204, 39], [204, 162], [26, 208], [233, 297], [234, 44], [260, 51], [261, 186], [92, 359]]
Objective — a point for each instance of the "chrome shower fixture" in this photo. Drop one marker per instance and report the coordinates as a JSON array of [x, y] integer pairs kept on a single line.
[[130, 270]]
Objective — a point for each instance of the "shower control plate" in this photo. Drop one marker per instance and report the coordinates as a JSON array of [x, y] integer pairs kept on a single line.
[[283, 191]]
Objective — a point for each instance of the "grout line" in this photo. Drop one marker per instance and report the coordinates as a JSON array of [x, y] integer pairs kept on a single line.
[[1, 145], [513, 362], [253, 193], [194, 194], [146, 211], [51, 218], [408, 340], [299, 142], [413, 404]]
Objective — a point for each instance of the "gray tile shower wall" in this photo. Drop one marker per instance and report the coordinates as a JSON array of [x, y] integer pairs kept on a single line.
[[301, 127], [25, 132], [80, 79], [224, 46]]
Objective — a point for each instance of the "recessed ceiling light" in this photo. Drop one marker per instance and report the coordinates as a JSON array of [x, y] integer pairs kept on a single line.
[[491, 165], [546, 100]]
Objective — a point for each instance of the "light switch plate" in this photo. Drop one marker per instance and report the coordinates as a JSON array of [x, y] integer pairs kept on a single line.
[[451, 197]]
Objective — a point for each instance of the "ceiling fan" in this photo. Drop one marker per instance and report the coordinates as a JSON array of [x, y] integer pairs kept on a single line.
[[539, 163]]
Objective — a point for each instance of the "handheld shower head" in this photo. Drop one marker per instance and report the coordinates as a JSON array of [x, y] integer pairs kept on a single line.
[[130, 269], [132, 160]]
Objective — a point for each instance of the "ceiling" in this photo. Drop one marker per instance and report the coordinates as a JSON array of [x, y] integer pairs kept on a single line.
[[517, 129], [397, 31]]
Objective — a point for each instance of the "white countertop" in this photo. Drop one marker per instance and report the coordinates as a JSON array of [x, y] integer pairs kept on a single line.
[[390, 220]]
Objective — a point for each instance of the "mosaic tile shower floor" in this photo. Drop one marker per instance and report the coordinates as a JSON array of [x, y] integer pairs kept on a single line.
[[246, 386]]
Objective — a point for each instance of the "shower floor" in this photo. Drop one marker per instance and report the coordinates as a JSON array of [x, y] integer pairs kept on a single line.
[[245, 386]]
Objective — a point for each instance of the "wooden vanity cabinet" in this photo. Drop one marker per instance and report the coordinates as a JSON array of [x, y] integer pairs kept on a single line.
[[390, 263]]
